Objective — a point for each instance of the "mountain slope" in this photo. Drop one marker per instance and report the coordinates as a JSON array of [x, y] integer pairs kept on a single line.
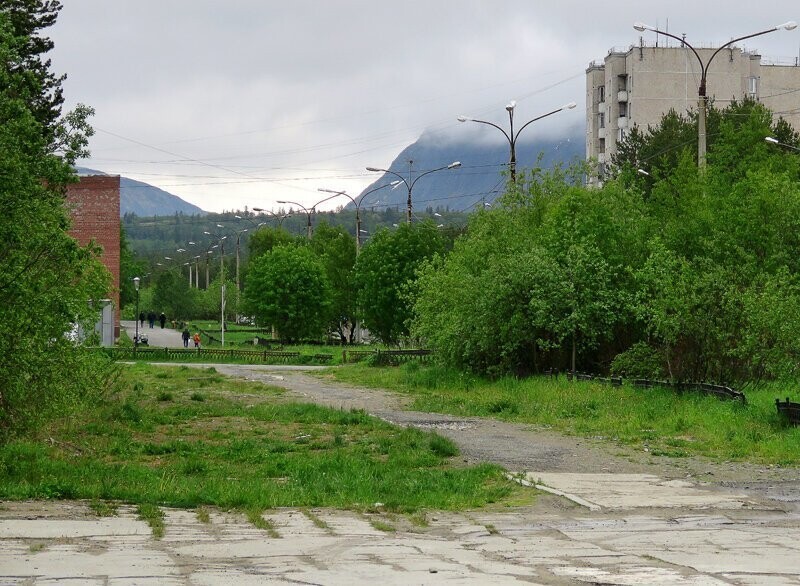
[[143, 199], [481, 177]]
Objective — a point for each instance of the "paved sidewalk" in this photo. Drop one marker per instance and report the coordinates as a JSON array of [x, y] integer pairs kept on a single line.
[[157, 337], [64, 542]]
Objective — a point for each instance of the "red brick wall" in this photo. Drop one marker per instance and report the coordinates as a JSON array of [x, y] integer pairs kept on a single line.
[[94, 203]]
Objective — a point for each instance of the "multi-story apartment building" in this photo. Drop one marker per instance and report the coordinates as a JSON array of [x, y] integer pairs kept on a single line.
[[638, 85]]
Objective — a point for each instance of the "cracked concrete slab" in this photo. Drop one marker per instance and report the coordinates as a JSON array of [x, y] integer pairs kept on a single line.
[[344, 547]]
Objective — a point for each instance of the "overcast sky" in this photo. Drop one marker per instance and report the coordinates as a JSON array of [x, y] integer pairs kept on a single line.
[[245, 102]]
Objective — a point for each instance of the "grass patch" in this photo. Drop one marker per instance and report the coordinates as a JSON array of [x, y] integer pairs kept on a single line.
[[666, 423], [258, 521], [153, 516], [103, 508], [383, 526], [240, 449], [318, 523], [203, 515]]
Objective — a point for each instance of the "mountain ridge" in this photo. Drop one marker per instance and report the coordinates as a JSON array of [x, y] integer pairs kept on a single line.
[[143, 199], [480, 179]]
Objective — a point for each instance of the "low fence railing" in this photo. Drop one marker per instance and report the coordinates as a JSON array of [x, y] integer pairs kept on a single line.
[[386, 357], [715, 390], [200, 354]]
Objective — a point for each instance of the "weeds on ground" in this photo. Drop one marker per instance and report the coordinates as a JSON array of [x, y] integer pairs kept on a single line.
[[664, 422], [241, 448]]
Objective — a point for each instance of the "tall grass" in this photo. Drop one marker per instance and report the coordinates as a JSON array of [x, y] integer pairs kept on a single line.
[[668, 423], [237, 448]]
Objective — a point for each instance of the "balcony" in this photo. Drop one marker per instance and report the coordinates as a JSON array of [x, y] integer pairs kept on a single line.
[[622, 96], [622, 122]]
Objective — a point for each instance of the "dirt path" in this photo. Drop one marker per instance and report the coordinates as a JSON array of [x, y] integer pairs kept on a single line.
[[521, 447]]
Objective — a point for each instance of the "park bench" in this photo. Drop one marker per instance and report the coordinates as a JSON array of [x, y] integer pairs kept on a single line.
[[789, 410]]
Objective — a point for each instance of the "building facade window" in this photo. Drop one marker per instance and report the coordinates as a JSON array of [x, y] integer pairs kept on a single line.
[[601, 120], [601, 93], [752, 86]]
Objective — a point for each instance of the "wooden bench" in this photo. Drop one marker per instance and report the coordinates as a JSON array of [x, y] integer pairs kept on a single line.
[[789, 410]]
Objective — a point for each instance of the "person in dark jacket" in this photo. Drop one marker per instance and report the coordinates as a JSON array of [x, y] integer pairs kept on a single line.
[[186, 335], [141, 318], [163, 319], [151, 318]]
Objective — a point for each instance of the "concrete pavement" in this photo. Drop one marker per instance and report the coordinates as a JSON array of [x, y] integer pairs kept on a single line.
[[157, 337], [45, 543]]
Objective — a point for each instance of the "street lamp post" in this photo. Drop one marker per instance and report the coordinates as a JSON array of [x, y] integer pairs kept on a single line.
[[357, 202], [773, 140], [702, 99], [308, 212], [222, 282], [512, 136], [410, 184], [273, 216], [136, 335]]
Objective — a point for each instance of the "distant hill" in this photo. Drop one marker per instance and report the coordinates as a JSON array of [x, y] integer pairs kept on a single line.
[[480, 179], [144, 199]]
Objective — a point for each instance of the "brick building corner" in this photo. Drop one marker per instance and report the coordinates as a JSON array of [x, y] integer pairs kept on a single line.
[[94, 206]]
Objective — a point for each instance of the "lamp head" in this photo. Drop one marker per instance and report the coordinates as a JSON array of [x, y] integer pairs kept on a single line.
[[220, 226], [258, 209], [454, 165], [771, 139], [570, 106], [641, 27], [373, 169], [463, 118], [511, 105], [789, 26], [136, 283]]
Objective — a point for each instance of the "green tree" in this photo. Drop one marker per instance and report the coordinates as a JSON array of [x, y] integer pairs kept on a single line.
[[173, 296], [287, 288], [337, 249], [264, 240], [129, 267], [47, 281], [385, 271]]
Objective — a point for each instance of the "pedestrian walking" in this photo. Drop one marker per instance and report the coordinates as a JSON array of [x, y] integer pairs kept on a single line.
[[186, 335], [163, 319], [151, 318], [197, 340], [141, 318]]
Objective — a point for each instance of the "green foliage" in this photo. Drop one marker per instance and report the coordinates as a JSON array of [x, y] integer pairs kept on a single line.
[[173, 296], [385, 270], [288, 288], [240, 448], [337, 250], [47, 281], [264, 240], [683, 274]]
